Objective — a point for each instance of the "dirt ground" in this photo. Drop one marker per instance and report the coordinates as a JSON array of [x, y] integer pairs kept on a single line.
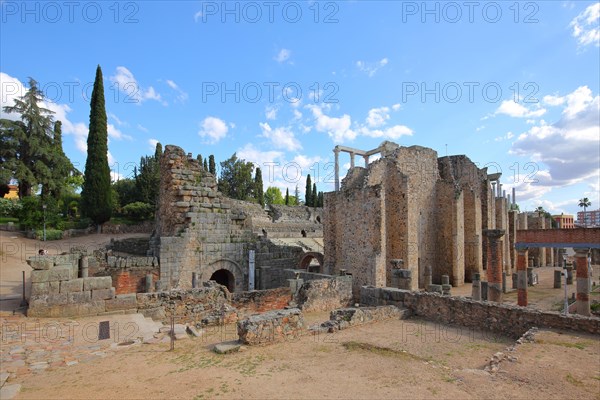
[[410, 359]]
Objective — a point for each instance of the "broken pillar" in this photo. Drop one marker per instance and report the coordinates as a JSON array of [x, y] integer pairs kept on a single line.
[[495, 252], [428, 273], [148, 283], [476, 290], [504, 278], [402, 278], [83, 267], [484, 290], [522, 278], [583, 281], [569, 273], [194, 280], [557, 279], [530, 276]]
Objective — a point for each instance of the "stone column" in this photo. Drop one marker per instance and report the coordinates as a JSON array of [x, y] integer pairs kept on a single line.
[[336, 153], [476, 290], [83, 267], [522, 277], [428, 276], [366, 161], [351, 160], [583, 281], [194, 280], [148, 283], [494, 263]]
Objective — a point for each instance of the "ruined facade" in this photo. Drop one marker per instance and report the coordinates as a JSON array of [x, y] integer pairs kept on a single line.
[[412, 205], [198, 230]]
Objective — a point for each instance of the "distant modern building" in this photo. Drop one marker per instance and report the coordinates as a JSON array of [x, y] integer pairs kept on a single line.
[[564, 221], [13, 192], [589, 219]]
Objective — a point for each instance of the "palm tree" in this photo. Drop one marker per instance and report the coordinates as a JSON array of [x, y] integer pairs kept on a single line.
[[540, 210], [585, 203]]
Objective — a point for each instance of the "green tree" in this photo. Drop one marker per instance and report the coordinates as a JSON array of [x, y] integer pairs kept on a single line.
[[320, 199], [584, 203], [296, 197], [148, 180], [315, 195], [97, 195], [258, 187], [273, 196], [236, 179], [205, 165], [127, 191], [287, 197], [199, 158], [212, 168], [61, 167], [27, 145], [308, 198]]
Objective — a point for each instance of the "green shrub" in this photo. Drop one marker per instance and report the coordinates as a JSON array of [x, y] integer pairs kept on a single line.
[[31, 214], [51, 234], [138, 211], [9, 207]]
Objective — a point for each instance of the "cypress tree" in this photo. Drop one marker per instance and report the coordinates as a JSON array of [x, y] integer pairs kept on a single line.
[[60, 164], [258, 187], [212, 168], [314, 195], [287, 197], [199, 158], [308, 194], [320, 199], [296, 196], [205, 165], [96, 195]]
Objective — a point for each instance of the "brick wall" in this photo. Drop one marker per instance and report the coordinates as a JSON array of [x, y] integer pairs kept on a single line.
[[132, 280], [259, 301], [573, 236]]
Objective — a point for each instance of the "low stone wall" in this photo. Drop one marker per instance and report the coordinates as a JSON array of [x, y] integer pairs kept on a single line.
[[325, 294], [259, 301], [271, 327], [57, 291], [142, 227], [505, 319], [135, 246], [346, 317]]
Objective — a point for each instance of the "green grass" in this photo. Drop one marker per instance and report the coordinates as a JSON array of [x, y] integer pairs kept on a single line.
[[123, 221], [5, 220], [576, 345]]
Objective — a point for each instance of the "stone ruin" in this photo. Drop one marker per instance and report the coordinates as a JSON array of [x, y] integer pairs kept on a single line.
[[201, 233], [413, 206]]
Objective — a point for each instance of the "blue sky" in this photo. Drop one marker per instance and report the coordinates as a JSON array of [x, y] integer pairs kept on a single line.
[[513, 85]]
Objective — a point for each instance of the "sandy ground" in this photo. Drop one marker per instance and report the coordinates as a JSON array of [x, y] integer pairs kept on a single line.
[[410, 359]]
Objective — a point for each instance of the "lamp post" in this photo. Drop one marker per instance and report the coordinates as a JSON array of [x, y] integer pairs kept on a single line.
[[44, 207]]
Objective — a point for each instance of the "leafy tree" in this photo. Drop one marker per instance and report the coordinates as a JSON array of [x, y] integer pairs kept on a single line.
[[315, 195], [27, 144], [308, 193], [126, 191], [258, 187], [287, 197], [211, 165], [236, 179], [199, 158], [61, 167], [97, 196], [584, 203], [273, 196], [540, 210], [205, 165], [296, 196], [320, 199], [138, 211], [147, 181]]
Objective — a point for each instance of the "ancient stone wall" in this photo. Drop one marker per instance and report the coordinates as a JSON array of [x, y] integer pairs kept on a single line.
[[271, 327], [410, 205], [325, 294], [502, 318], [198, 230]]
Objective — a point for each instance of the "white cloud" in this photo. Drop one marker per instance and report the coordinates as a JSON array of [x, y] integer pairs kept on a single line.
[[337, 128], [586, 26], [153, 143], [213, 129], [396, 107], [142, 128], [115, 133], [283, 56], [570, 146], [552, 100], [281, 138], [516, 110], [271, 112], [197, 16], [297, 114], [393, 132], [508, 136], [371, 68], [127, 84], [378, 117], [181, 95]]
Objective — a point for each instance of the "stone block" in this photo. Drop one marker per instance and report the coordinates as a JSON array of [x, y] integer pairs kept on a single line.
[[44, 288], [57, 299], [227, 347], [74, 285], [51, 275], [122, 302], [103, 294], [98, 282], [40, 262], [79, 297]]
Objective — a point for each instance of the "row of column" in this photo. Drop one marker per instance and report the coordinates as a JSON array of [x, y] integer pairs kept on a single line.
[[494, 272]]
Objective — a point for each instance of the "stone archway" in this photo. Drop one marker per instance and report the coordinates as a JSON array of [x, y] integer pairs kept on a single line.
[[228, 271], [307, 258]]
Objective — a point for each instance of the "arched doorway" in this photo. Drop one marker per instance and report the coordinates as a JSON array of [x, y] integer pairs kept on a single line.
[[225, 278], [311, 262]]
